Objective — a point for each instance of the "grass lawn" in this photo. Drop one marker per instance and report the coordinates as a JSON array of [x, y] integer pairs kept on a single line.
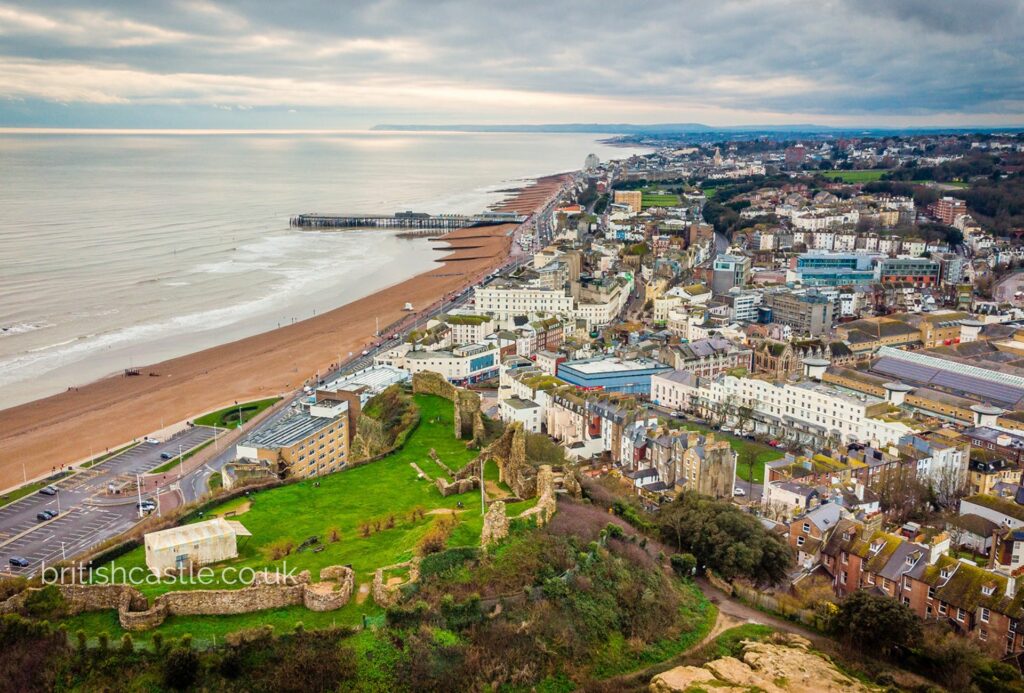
[[865, 176], [345, 500], [855, 176], [728, 643], [232, 417], [172, 463], [655, 200]]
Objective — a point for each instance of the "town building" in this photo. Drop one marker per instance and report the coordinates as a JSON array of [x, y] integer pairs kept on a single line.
[[808, 313], [730, 271], [308, 442], [631, 376]]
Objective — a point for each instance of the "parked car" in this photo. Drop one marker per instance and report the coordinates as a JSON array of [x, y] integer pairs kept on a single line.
[[19, 561], [151, 440], [774, 443], [738, 492], [48, 491], [42, 517], [166, 455], [726, 429], [146, 506]]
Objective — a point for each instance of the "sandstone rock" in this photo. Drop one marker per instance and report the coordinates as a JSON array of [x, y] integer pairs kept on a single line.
[[786, 666]]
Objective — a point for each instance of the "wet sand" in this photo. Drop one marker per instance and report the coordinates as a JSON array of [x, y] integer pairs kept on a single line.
[[68, 427]]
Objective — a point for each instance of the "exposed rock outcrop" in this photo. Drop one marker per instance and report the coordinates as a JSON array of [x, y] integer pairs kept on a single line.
[[783, 665]]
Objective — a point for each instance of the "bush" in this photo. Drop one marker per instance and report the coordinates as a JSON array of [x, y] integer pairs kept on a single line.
[[876, 623], [684, 564], [180, 668], [127, 644], [276, 550], [445, 561], [47, 602]]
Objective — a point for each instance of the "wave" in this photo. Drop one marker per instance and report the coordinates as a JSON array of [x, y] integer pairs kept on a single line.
[[23, 328]]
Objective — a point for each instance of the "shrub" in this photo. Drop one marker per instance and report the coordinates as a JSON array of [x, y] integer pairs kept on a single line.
[[11, 586], [276, 550], [158, 642], [127, 644], [104, 641], [47, 602], [180, 668], [444, 561], [683, 564], [83, 642], [334, 534]]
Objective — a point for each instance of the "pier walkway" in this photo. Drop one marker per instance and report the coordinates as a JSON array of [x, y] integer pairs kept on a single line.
[[407, 220]]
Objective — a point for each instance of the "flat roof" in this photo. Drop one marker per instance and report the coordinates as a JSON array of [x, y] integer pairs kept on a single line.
[[375, 378], [613, 365], [288, 431]]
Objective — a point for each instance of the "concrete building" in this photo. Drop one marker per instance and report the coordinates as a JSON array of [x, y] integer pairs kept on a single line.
[[306, 443], [730, 271], [947, 209], [171, 551], [834, 269], [673, 389], [364, 383], [920, 272], [470, 329], [808, 313]]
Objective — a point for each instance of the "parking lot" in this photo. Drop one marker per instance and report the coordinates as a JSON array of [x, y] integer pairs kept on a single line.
[[79, 524], [67, 535]]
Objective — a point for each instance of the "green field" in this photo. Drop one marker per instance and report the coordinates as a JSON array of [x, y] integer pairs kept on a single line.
[[865, 176], [386, 491], [232, 417], [655, 200]]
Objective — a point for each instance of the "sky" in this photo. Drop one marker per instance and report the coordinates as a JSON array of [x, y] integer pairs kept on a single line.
[[334, 64]]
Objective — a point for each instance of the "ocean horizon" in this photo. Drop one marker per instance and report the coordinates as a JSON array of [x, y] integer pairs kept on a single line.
[[124, 248]]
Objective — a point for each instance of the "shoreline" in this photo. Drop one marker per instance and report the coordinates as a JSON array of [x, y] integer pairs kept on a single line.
[[62, 429]]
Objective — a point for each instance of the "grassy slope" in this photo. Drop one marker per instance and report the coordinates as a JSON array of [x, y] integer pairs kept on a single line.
[[344, 500]]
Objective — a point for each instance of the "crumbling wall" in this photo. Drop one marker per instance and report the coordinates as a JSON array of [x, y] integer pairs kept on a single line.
[[466, 409], [267, 591], [495, 524], [456, 487], [238, 474], [386, 595], [546, 502]]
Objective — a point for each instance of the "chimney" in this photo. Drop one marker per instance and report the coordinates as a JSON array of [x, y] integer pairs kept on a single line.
[[858, 490], [1011, 586]]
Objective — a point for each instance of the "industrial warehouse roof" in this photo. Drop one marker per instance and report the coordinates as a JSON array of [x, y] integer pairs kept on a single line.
[[959, 378], [288, 431], [374, 378], [195, 533]]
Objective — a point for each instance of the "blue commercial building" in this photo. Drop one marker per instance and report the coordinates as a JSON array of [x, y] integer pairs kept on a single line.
[[612, 374], [836, 269]]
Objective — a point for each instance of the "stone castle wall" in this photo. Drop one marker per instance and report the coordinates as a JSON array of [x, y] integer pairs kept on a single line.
[[387, 595], [495, 524], [467, 410], [456, 487], [266, 592]]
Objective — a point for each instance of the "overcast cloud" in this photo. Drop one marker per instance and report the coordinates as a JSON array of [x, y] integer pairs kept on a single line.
[[329, 64]]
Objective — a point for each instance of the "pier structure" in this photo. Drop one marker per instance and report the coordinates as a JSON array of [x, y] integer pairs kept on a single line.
[[407, 220]]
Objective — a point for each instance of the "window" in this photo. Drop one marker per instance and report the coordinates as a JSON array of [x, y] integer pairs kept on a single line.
[[845, 556], [807, 528], [799, 541], [983, 635], [871, 578], [931, 593], [960, 613], [906, 601], [906, 583], [985, 613], [942, 608], [842, 577]]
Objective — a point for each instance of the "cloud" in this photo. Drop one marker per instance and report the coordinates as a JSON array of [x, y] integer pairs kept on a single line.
[[850, 61]]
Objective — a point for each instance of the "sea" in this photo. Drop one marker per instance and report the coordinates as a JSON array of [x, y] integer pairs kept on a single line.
[[121, 249]]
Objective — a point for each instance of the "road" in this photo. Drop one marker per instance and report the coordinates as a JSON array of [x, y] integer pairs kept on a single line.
[[88, 514]]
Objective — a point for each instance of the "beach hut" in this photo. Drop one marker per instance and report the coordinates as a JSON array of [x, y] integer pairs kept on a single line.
[[178, 548]]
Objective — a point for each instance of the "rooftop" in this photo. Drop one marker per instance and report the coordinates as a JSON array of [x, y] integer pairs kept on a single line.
[[288, 431], [600, 365]]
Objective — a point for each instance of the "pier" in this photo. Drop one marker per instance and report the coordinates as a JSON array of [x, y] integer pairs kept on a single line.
[[406, 220]]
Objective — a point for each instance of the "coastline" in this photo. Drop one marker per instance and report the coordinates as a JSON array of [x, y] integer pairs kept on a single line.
[[64, 428]]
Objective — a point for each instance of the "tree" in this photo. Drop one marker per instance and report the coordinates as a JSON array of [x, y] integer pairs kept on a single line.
[[725, 539], [876, 623]]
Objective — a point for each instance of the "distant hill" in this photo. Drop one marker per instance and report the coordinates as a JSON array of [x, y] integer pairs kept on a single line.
[[681, 128]]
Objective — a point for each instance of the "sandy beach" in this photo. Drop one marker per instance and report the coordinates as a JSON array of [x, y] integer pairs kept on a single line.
[[66, 428]]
